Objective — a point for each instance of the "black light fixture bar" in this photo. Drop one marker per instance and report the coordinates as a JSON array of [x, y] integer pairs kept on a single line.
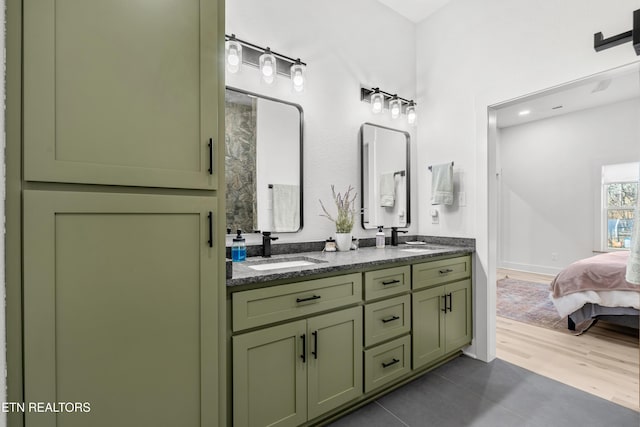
[[600, 43], [365, 95], [252, 52]]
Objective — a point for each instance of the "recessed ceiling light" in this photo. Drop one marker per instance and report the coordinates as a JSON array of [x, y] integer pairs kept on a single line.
[[524, 112]]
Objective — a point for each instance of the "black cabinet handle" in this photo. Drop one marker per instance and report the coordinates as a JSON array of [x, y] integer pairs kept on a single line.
[[390, 319], [444, 310], [210, 156], [210, 216], [303, 337], [308, 299], [450, 301], [315, 344], [390, 282], [446, 271], [393, 362]]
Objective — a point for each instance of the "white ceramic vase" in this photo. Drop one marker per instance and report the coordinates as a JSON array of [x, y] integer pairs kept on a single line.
[[343, 241]]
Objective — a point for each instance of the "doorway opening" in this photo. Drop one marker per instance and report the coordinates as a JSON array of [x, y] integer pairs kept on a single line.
[[547, 209]]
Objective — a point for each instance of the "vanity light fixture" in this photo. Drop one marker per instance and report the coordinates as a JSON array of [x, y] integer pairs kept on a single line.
[[233, 50], [380, 99], [269, 63]]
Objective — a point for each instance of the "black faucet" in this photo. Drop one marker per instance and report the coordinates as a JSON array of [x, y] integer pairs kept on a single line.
[[266, 243], [394, 235]]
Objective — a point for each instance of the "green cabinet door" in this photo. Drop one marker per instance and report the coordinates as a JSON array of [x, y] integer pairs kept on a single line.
[[458, 317], [428, 326], [335, 361], [122, 92], [120, 309], [270, 376]]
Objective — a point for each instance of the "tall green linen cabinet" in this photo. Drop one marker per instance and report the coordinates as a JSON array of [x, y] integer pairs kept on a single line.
[[123, 236]]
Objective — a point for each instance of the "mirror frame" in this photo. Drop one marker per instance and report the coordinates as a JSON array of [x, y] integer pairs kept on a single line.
[[301, 147], [407, 173]]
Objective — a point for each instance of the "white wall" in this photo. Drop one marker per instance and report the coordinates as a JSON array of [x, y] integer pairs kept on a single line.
[[550, 177], [472, 54], [345, 44]]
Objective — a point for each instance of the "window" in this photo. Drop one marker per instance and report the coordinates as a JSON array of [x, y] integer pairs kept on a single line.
[[620, 196]]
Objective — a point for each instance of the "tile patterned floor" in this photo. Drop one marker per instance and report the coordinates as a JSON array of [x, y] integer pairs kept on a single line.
[[467, 392]]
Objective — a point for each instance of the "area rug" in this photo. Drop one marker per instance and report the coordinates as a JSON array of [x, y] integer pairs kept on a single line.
[[528, 302]]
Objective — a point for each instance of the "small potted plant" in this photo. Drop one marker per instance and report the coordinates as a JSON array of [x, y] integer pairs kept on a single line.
[[345, 217]]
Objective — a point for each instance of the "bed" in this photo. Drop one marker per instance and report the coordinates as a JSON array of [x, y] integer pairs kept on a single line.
[[595, 289]]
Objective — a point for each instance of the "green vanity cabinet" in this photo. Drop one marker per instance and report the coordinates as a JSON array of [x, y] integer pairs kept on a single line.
[[120, 308], [335, 360], [441, 321], [286, 374], [122, 92], [270, 376], [303, 353]]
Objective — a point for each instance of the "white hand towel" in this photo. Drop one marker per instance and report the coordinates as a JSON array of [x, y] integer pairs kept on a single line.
[[387, 190], [286, 208], [633, 264], [442, 184]]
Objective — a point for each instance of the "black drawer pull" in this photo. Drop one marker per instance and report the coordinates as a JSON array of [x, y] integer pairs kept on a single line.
[[210, 216], [446, 271], [390, 282], [390, 319], [315, 344], [308, 299], [445, 304], [393, 362], [210, 156], [303, 356], [450, 301]]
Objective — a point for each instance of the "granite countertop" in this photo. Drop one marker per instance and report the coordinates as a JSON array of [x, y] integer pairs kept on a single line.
[[330, 262]]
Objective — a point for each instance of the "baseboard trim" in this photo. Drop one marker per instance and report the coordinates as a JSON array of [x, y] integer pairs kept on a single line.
[[529, 268]]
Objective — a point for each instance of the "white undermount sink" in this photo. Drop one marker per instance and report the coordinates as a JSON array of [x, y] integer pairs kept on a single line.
[[423, 249], [276, 264], [418, 251]]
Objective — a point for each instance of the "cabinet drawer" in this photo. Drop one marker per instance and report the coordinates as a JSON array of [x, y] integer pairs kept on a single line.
[[387, 282], [386, 319], [434, 273], [386, 362], [268, 305]]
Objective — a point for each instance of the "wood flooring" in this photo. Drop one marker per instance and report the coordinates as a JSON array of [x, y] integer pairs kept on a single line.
[[605, 361]]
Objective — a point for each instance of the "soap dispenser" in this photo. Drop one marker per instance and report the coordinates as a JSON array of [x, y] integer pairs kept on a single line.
[[380, 238], [239, 248]]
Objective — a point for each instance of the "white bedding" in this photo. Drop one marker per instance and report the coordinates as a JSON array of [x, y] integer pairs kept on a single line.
[[572, 302]]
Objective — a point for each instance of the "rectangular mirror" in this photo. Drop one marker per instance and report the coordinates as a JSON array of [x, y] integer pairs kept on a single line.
[[384, 166], [263, 163]]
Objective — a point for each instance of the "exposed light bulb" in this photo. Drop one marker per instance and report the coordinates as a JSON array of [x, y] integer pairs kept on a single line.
[[377, 106], [233, 58], [395, 107], [268, 67], [411, 113], [377, 102], [234, 55], [297, 76]]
